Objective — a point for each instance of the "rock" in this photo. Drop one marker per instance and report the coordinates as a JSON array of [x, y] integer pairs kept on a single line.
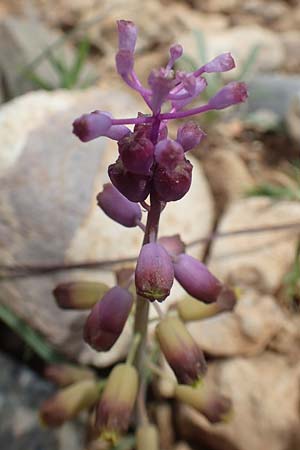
[[240, 41], [217, 6], [247, 330], [274, 93], [274, 10], [293, 117], [265, 395], [290, 40], [21, 42], [257, 260], [49, 213], [21, 394], [235, 180]]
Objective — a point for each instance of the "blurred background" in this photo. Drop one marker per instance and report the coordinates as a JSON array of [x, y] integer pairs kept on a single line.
[[57, 62]]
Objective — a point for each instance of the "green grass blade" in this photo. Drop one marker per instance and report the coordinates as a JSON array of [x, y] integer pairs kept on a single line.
[[82, 53], [201, 46], [39, 82], [33, 339], [249, 62], [276, 192]]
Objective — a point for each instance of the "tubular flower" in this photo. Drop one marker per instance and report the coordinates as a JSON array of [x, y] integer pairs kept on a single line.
[[214, 406], [68, 402], [65, 374], [115, 407], [79, 294], [180, 350], [196, 279], [118, 207], [154, 273], [107, 319]]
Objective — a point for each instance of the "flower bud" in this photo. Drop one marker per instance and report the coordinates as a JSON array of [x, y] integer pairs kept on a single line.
[[180, 350], [172, 185], [68, 402], [107, 319], [214, 406], [118, 207], [221, 63], [133, 186], [154, 274], [231, 94], [168, 154], [66, 374], [173, 244], [137, 154], [117, 401], [147, 438], [90, 126], [176, 51], [191, 309], [127, 33], [196, 279], [189, 135], [79, 294]]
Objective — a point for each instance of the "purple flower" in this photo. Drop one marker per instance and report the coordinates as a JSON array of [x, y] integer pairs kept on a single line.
[[93, 125], [229, 95], [118, 207], [107, 319], [137, 154], [172, 185], [176, 51], [133, 186], [221, 63], [154, 273], [127, 33], [173, 244], [196, 279], [189, 135], [168, 154], [180, 350]]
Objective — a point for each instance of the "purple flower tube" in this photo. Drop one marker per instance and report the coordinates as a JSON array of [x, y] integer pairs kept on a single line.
[[154, 273], [107, 319], [196, 279], [118, 207]]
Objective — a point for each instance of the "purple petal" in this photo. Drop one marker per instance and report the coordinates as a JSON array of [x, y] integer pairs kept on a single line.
[[221, 63], [231, 94]]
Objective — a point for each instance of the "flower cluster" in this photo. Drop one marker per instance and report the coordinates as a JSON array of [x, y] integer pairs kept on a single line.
[[151, 170], [150, 161]]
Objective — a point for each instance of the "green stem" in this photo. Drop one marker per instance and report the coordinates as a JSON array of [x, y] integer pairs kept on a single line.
[[133, 349]]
